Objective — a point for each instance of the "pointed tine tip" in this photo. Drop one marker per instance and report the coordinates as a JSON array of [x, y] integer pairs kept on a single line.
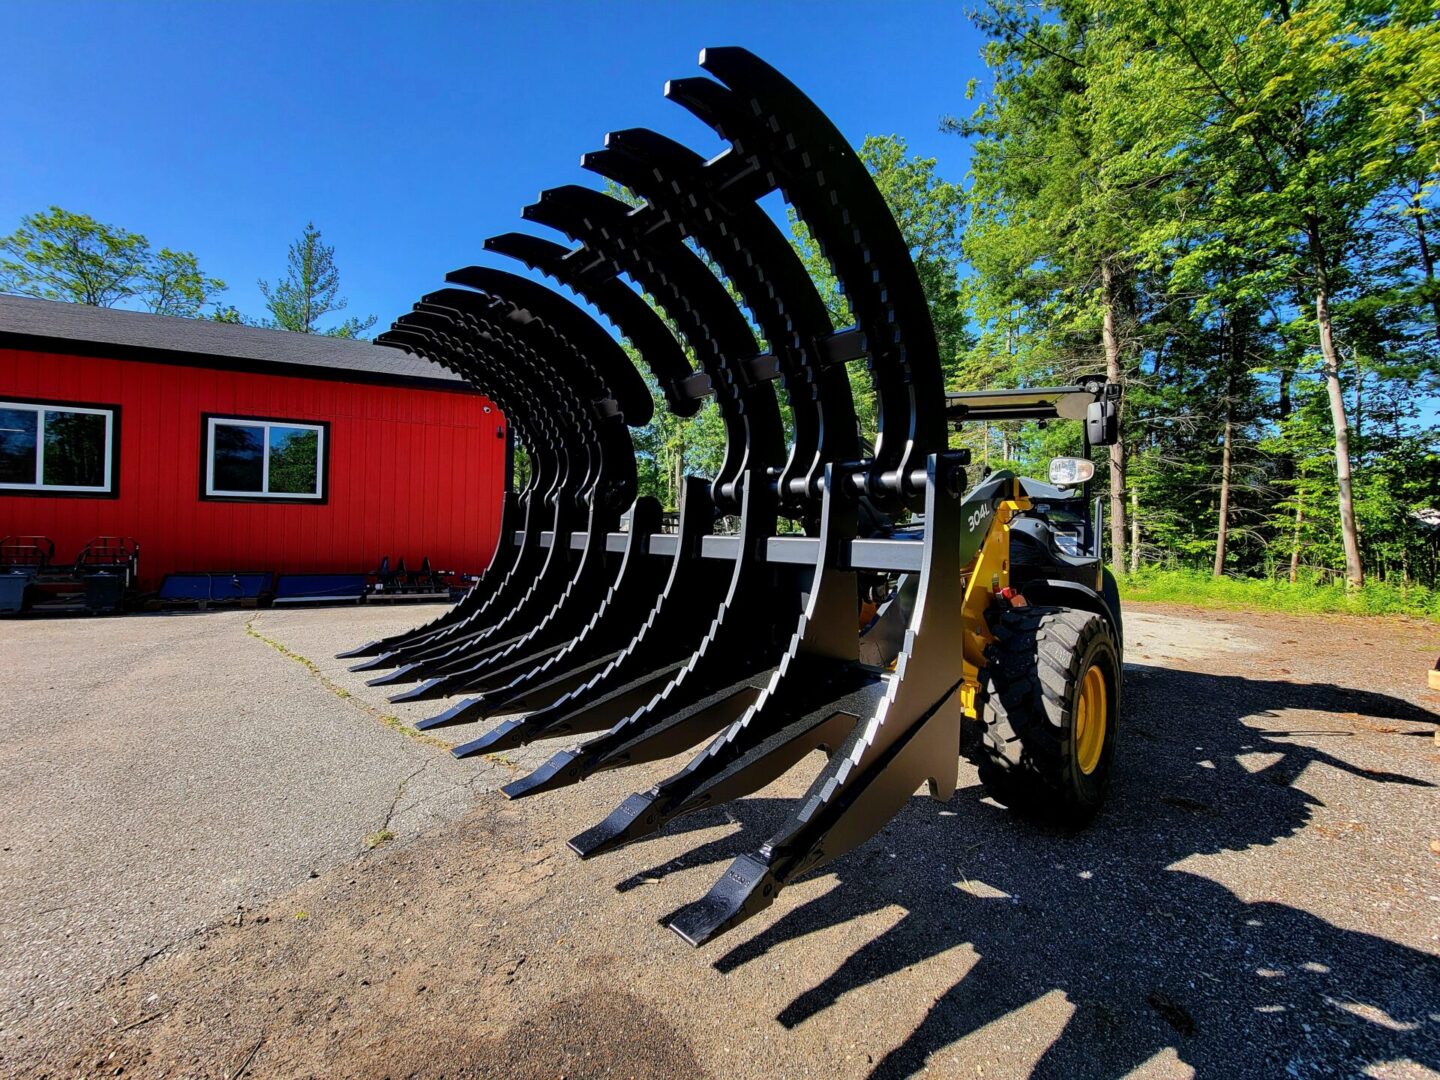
[[400, 674], [426, 691], [370, 648], [616, 830], [384, 660], [746, 888], [558, 772], [459, 713], [509, 735], [490, 742]]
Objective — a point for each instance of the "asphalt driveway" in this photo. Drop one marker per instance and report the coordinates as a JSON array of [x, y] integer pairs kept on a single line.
[[163, 773]]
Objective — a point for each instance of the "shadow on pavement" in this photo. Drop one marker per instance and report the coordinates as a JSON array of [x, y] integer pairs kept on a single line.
[[1148, 954]]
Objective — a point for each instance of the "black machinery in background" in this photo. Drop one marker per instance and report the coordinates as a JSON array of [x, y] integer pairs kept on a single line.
[[100, 580]]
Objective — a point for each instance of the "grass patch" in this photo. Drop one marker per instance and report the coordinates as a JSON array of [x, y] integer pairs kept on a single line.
[[1264, 594], [375, 839], [394, 723]]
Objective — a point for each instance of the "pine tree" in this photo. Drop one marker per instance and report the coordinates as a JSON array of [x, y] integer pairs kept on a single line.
[[310, 290]]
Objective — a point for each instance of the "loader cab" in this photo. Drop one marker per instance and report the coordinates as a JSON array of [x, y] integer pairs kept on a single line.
[[1057, 546], [1063, 499]]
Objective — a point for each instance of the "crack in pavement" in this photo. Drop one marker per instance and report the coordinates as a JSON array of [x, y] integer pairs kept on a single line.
[[400, 794]]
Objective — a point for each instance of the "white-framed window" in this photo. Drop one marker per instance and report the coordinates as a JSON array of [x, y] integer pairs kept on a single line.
[[54, 448], [251, 458]]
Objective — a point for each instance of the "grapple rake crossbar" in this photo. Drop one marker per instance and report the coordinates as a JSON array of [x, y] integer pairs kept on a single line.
[[634, 644]]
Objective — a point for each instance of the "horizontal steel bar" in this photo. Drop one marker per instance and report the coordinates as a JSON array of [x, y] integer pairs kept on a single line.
[[899, 555]]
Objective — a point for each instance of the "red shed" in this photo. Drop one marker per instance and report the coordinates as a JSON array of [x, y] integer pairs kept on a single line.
[[222, 447]]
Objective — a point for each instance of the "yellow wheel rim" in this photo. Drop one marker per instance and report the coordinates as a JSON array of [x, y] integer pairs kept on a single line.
[[1090, 720]]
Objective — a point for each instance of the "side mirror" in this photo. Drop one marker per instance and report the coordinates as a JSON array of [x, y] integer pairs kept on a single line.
[[1102, 422], [1070, 471]]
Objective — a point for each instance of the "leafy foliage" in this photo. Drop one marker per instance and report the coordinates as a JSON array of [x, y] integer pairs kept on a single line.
[[60, 255], [1254, 182]]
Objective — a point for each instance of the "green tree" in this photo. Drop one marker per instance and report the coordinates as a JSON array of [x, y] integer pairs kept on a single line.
[[1299, 122], [60, 255], [310, 290], [1235, 200], [1069, 167]]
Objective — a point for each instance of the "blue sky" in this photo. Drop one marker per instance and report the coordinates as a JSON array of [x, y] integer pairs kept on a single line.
[[408, 132]]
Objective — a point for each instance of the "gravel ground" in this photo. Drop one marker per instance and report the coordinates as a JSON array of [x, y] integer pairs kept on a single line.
[[1260, 897]]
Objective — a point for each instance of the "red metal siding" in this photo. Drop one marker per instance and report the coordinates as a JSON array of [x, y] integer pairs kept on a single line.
[[412, 472]]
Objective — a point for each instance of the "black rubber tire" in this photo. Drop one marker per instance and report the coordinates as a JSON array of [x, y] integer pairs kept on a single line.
[[1027, 754]]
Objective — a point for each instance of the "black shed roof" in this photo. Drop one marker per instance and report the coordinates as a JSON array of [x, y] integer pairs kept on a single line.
[[80, 330]]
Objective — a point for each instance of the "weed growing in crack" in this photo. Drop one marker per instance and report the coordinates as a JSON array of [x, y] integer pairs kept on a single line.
[[394, 723]]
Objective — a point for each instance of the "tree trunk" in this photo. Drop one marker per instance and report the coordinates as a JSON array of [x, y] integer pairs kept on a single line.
[[1295, 547], [1222, 533], [1359, 413], [1230, 349], [1354, 570], [1427, 260], [1117, 452], [1134, 529]]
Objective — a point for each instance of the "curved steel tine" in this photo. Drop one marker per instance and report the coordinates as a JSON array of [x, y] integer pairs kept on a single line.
[[520, 583], [760, 262], [549, 441], [635, 319], [671, 722], [573, 607], [592, 345], [562, 582], [739, 644], [664, 266], [697, 302], [422, 330], [474, 662], [539, 439], [913, 736], [622, 613], [677, 620], [824, 180], [501, 558], [514, 686]]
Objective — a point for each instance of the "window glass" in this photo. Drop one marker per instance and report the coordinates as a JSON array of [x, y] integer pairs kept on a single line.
[[280, 459], [75, 447], [239, 461], [18, 439], [294, 460], [57, 448]]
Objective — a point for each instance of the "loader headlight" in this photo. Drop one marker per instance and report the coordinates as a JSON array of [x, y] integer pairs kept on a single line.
[[1070, 471]]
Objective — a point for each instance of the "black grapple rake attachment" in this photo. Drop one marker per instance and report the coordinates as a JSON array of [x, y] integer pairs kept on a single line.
[[636, 645]]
